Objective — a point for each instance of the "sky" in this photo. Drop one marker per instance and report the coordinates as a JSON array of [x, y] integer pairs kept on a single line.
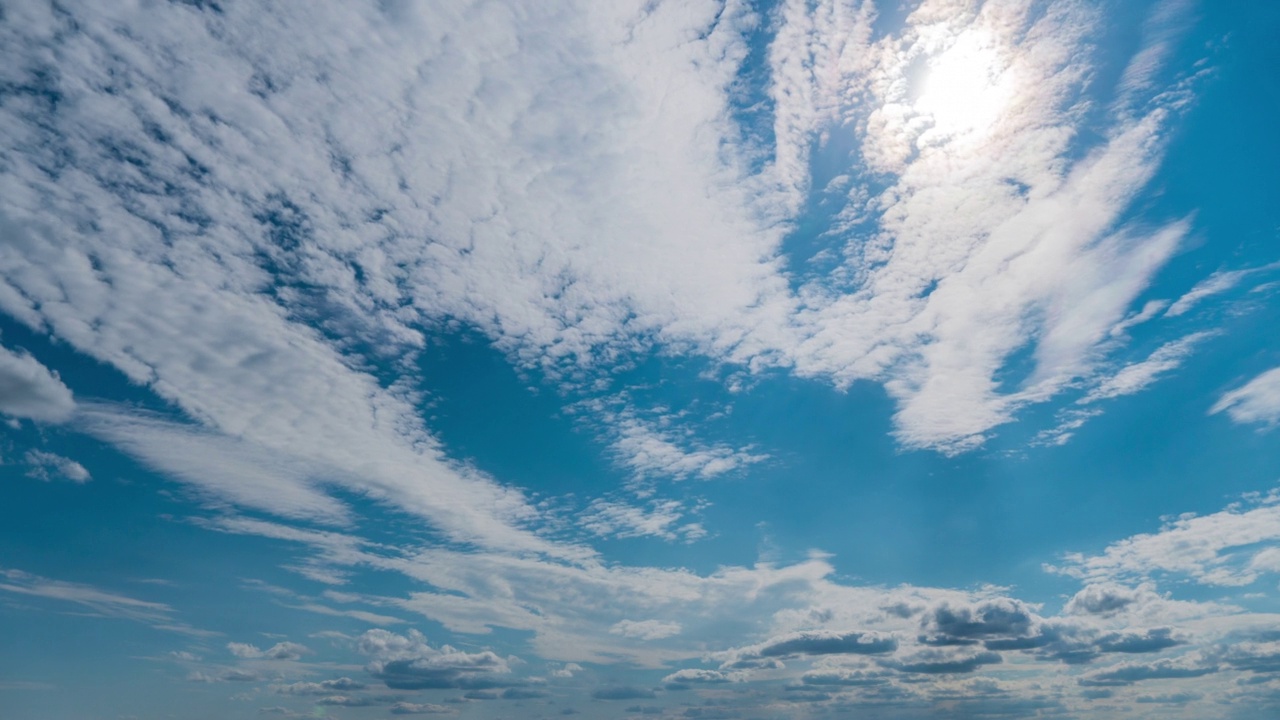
[[639, 359]]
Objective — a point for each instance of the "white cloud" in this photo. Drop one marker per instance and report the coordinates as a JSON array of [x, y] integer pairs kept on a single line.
[[1135, 377], [99, 602], [31, 390], [279, 651], [649, 450], [46, 465], [1257, 401], [1227, 548], [645, 629], [408, 662], [619, 519], [990, 240]]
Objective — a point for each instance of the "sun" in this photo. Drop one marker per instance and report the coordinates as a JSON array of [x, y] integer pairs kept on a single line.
[[966, 87]]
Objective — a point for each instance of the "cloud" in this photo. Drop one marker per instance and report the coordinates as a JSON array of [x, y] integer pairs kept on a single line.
[[813, 642], [1216, 284], [324, 687], [939, 661], [1215, 549], [1137, 376], [523, 693], [645, 629], [847, 677], [347, 700], [31, 390], [622, 692], [1130, 673], [690, 676], [238, 675], [1103, 599], [650, 450], [661, 519], [408, 708], [964, 266], [46, 466], [99, 602], [407, 662], [1257, 401], [279, 651], [949, 623]]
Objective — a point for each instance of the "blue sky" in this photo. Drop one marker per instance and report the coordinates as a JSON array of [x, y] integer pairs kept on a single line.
[[667, 360]]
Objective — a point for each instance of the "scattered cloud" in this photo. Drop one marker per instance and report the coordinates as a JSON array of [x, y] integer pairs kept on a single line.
[[47, 466], [661, 519], [1257, 401], [31, 390], [93, 600], [324, 687], [407, 662], [279, 651], [1227, 548]]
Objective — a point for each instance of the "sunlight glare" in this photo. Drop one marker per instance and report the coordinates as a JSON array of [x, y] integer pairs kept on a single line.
[[964, 89]]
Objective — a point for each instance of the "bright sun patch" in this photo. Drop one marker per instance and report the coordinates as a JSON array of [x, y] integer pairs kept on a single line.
[[966, 86]]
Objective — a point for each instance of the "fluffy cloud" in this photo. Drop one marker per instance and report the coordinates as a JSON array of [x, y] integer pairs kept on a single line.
[[279, 651], [699, 676], [31, 390], [407, 662], [812, 642], [324, 687]]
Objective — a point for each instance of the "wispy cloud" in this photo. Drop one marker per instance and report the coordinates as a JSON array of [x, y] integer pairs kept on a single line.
[[95, 601], [1233, 547], [46, 466], [1257, 401]]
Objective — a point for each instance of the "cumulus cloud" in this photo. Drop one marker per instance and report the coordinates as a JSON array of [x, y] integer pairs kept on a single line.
[[952, 624], [31, 390], [813, 642], [692, 676], [324, 687], [1103, 599], [1257, 401], [279, 651], [408, 662]]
